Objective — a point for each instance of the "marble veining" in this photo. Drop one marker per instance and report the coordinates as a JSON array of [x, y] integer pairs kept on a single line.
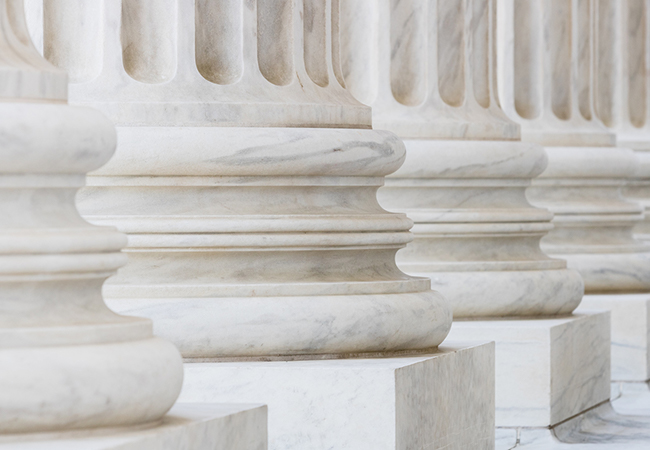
[[187, 426], [623, 106], [182, 64], [66, 360], [463, 182], [547, 369], [630, 333], [438, 401], [563, 108], [247, 185]]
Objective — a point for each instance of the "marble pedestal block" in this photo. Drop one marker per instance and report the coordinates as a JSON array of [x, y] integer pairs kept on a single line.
[[547, 369], [630, 333], [185, 427], [436, 401]]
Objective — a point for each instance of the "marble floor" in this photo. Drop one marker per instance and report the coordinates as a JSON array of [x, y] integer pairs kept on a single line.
[[622, 424]]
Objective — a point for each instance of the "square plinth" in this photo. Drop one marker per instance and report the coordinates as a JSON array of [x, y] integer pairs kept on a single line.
[[630, 333], [547, 370], [439, 401], [185, 427]]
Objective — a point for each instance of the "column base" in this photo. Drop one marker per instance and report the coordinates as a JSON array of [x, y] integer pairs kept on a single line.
[[630, 333], [548, 369], [436, 401], [196, 427]]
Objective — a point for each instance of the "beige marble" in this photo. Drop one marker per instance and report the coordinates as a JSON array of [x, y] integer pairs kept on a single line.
[[427, 70], [66, 360]]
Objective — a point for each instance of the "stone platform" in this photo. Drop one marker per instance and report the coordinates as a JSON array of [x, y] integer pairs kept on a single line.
[[630, 325], [547, 370], [436, 401], [186, 426], [553, 385], [600, 428]]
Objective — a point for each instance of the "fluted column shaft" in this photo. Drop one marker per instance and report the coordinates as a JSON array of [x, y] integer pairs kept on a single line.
[[66, 360], [427, 70], [246, 179], [622, 94], [548, 56]]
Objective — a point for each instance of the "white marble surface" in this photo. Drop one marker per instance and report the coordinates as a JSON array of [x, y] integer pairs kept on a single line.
[[631, 398], [543, 74], [424, 67], [638, 189], [630, 333], [440, 401], [272, 245], [547, 369], [594, 223], [186, 427], [622, 424], [201, 63], [476, 236], [553, 81], [466, 171], [245, 177], [624, 98], [66, 360]]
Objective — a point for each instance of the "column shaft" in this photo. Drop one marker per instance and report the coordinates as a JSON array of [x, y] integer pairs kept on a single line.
[[623, 91]]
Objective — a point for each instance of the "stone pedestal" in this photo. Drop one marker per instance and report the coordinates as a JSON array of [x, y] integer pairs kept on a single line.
[[186, 426], [547, 369], [434, 401], [630, 333], [553, 385]]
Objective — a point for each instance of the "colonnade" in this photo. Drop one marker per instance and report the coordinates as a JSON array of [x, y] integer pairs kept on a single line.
[[253, 141]]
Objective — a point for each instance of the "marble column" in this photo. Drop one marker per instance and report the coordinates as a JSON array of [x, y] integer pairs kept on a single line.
[[246, 179], [622, 90], [431, 79], [621, 98], [66, 360], [554, 80], [74, 374]]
